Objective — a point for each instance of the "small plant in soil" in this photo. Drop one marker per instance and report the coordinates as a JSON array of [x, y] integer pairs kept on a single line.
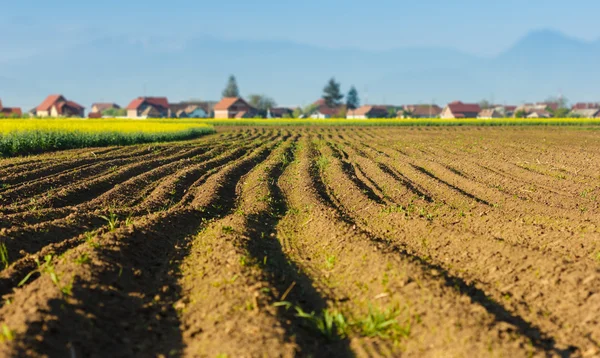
[[83, 259], [48, 268], [331, 324], [112, 219], [384, 324], [330, 261], [4, 255], [7, 334]]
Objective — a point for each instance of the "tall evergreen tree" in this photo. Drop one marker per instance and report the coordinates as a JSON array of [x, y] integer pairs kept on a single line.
[[232, 89], [352, 100], [332, 94]]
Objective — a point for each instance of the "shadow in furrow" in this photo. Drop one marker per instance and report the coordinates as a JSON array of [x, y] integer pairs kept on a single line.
[[453, 187], [351, 172], [282, 272], [538, 338], [126, 309], [405, 182]]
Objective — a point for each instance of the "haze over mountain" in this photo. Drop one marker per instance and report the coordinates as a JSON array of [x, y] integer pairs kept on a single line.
[[118, 68]]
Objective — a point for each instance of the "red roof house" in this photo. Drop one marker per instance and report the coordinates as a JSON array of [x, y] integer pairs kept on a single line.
[[580, 105], [420, 111], [458, 109], [365, 112], [322, 110], [234, 107], [10, 111], [57, 105], [149, 107]]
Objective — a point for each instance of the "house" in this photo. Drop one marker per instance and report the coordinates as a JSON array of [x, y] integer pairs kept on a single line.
[[190, 109], [366, 112], [233, 107], [419, 111], [101, 107], [581, 105], [506, 111], [149, 107], [57, 105], [280, 112], [539, 113], [323, 111], [489, 113], [457, 109], [585, 113], [10, 111]]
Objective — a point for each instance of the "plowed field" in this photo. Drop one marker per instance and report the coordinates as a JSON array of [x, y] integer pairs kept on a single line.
[[440, 242]]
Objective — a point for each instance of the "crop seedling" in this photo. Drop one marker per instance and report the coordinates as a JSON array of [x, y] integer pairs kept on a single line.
[[7, 334], [112, 219], [48, 268], [384, 324], [330, 261], [83, 259], [332, 325], [4, 255]]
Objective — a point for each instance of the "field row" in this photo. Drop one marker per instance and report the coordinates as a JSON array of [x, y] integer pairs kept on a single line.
[[306, 242]]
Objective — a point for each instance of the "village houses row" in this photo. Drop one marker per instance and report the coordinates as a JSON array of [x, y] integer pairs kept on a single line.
[[236, 107]]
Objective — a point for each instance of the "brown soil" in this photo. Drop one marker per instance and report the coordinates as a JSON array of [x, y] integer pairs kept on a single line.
[[454, 242]]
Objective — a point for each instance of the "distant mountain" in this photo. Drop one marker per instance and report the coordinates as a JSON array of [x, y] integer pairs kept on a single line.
[[121, 68]]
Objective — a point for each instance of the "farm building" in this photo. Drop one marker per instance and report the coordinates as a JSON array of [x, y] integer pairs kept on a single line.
[[489, 113], [9, 111], [57, 105], [366, 112], [279, 112], [234, 107], [323, 111], [585, 113], [582, 105], [458, 109], [191, 109], [101, 107], [419, 111], [149, 107], [539, 113]]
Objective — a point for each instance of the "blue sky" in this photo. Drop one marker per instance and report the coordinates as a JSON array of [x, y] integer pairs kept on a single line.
[[478, 27]]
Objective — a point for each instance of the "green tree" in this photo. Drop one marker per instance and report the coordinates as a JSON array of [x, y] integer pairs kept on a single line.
[[332, 94], [352, 100], [392, 112], [232, 89], [114, 112], [560, 112], [485, 104], [520, 114], [261, 102], [310, 109], [297, 112]]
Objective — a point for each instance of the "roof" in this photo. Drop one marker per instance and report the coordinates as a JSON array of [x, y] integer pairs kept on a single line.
[[49, 102], [9, 111], [227, 102], [74, 105], [104, 106], [586, 106], [424, 109], [161, 102], [539, 113], [458, 107], [364, 110], [488, 112], [586, 113]]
